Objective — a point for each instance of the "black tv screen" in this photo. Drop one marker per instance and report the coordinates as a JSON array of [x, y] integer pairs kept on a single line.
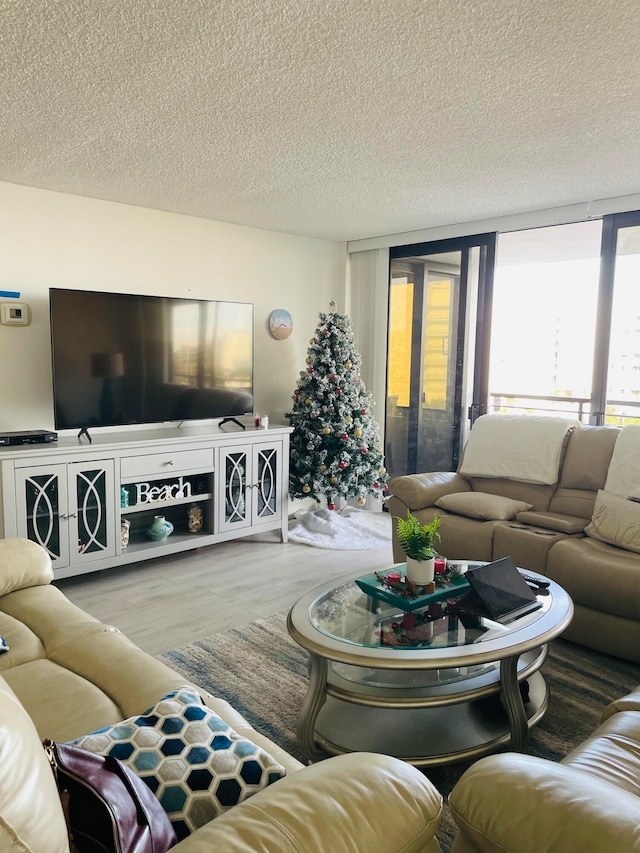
[[121, 358]]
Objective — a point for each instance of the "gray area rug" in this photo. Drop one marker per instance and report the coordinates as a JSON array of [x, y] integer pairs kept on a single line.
[[263, 674]]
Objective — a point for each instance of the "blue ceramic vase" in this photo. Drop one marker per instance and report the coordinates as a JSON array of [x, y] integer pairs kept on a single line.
[[160, 529]]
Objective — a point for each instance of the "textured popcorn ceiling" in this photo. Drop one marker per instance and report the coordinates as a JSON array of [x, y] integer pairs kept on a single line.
[[339, 119]]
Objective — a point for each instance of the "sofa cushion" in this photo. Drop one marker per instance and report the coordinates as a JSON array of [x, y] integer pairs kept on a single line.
[[623, 477], [192, 760], [31, 815], [482, 506], [586, 462], [615, 520]]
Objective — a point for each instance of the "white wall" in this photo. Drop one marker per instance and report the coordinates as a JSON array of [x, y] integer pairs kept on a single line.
[[51, 239]]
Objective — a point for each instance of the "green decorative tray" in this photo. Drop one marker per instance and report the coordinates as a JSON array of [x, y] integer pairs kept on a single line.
[[447, 586]]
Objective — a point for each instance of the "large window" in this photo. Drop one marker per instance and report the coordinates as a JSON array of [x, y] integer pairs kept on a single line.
[[565, 336], [546, 323], [545, 298]]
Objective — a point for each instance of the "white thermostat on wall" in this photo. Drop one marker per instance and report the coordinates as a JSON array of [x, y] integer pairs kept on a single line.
[[14, 314]]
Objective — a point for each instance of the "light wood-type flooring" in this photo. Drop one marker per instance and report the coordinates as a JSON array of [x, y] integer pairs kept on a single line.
[[167, 602]]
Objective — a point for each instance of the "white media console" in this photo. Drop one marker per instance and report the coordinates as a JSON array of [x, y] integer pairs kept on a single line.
[[72, 497]]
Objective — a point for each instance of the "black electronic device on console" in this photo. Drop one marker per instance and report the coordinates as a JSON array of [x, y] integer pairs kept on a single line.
[[30, 436], [498, 592]]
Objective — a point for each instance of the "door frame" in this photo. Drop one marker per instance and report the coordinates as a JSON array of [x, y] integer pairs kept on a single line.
[[476, 367]]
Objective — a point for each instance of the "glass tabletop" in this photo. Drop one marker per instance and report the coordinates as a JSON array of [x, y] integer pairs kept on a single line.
[[348, 614]]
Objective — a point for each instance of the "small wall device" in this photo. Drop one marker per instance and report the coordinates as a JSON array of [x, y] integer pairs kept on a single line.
[[14, 314]]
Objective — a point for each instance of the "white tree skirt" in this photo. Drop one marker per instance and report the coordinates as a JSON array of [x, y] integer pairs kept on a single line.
[[348, 530]]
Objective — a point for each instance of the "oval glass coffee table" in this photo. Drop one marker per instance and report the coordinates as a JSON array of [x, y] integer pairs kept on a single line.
[[451, 687]]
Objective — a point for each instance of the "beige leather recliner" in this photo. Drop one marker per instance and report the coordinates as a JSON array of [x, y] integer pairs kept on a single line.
[[553, 536], [587, 803], [66, 674]]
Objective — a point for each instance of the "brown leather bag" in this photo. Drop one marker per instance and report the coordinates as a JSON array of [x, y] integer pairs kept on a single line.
[[108, 808]]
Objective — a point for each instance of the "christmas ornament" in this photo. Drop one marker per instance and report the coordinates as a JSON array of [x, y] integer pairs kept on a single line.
[[306, 488], [342, 465], [331, 506], [361, 501], [326, 430], [348, 365], [344, 436], [333, 479], [357, 432]]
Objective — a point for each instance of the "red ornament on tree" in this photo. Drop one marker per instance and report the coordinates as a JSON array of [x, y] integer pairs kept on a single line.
[[363, 411], [342, 465], [344, 436], [363, 450], [331, 506], [309, 369], [338, 390]]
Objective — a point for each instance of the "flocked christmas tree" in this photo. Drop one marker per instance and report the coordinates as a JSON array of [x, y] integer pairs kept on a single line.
[[335, 444]]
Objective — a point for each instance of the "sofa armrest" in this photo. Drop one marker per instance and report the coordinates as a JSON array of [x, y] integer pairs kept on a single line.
[[630, 702], [521, 804], [418, 491], [23, 563], [569, 524], [360, 802]]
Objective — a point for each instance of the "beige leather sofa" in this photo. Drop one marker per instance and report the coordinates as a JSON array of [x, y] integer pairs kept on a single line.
[[574, 529], [589, 802], [66, 674]]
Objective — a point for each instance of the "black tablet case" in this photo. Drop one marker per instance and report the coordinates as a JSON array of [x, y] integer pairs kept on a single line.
[[499, 592]]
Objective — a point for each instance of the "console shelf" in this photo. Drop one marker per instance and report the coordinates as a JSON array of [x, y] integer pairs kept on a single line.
[[67, 495]]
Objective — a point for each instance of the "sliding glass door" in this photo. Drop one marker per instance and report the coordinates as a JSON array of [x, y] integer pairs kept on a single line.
[[556, 333], [433, 335]]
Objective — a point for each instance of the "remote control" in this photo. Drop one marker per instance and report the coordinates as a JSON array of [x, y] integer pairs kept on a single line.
[[536, 581]]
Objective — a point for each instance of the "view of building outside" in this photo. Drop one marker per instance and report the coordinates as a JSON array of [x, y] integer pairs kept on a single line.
[[623, 379], [544, 319]]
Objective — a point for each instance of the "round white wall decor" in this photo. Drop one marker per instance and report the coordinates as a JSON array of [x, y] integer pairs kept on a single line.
[[280, 324]]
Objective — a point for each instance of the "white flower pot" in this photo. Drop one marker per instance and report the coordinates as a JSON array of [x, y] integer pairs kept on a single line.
[[420, 571]]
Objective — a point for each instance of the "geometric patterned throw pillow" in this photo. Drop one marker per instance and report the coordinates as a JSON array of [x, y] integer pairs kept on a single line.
[[194, 762]]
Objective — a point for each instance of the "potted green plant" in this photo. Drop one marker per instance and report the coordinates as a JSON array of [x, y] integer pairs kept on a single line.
[[417, 541]]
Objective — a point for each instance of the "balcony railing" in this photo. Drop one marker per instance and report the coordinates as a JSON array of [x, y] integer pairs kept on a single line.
[[618, 412]]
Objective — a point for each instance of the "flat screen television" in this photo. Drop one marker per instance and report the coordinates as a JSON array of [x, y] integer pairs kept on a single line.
[[122, 359]]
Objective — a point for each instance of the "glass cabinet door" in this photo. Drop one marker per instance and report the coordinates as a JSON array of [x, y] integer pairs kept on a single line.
[[42, 509], [69, 510], [233, 511], [91, 513], [265, 497]]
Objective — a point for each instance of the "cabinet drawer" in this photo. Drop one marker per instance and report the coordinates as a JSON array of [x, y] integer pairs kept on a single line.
[[166, 463]]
